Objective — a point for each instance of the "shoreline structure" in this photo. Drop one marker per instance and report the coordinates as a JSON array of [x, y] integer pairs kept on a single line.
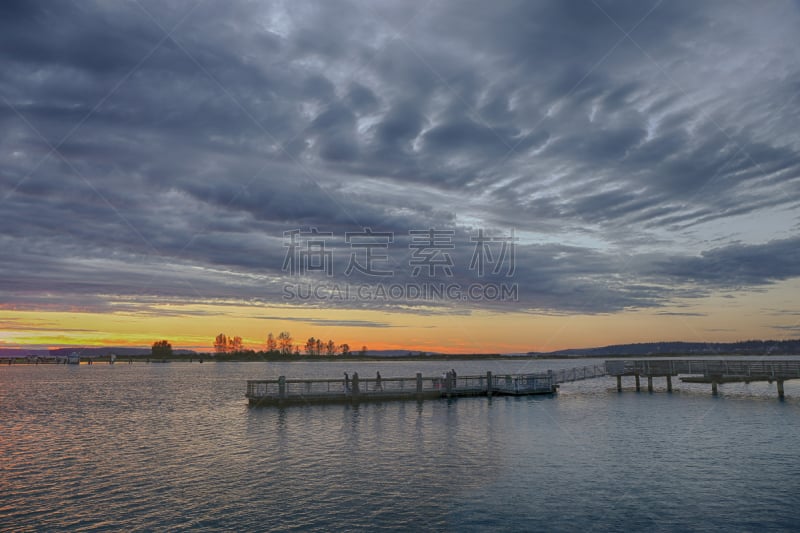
[[282, 391]]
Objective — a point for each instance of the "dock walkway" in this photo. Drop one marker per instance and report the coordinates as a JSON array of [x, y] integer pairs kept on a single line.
[[284, 391], [713, 371]]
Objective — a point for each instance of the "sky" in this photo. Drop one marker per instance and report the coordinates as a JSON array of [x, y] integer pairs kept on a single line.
[[505, 176]]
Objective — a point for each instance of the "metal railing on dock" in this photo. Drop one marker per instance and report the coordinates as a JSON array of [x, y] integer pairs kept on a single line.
[[757, 368], [328, 387], [569, 375], [713, 371], [282, 390]]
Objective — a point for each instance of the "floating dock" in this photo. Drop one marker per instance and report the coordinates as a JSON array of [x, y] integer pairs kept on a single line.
[[284, 391]]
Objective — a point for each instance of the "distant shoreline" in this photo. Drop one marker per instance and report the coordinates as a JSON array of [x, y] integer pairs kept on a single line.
[[255, 358], [749, 348], [206, 358]]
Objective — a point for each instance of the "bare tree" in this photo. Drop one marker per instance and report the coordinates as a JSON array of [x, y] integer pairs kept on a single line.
[[311, 346], [345, 349], [272, 344], [285, 342], [221, 343], [330, 348], [235, 344]]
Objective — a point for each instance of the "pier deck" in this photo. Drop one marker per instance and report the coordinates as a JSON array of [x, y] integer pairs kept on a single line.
[[284, 391], [713, 371]]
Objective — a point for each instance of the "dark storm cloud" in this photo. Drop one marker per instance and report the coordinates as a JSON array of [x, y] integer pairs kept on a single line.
[[137, 164], [361, 98], [737, 265]]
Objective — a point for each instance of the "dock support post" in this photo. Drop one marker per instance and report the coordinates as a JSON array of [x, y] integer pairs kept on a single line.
[[282, 387], [619, 383], [780, 389], [489, 384], [419, 384], [355, 386], [649, 383], [669, 383], [638, 385], [714, 388]]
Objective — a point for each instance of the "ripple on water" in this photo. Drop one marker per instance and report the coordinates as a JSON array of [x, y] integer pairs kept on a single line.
[[152, 447]]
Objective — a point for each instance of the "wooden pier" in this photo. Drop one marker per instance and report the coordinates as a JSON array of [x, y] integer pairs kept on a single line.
[[284, 391], [713, 371]]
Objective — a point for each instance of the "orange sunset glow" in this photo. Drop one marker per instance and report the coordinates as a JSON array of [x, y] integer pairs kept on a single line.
[[195, 326], [481, 197]]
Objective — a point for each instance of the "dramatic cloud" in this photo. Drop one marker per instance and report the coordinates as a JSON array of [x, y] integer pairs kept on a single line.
[[643, 153]]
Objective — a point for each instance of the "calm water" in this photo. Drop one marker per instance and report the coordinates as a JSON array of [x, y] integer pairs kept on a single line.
[[174, 447]]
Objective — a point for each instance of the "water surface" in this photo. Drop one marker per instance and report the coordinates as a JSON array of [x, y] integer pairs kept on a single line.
[[175, 446]]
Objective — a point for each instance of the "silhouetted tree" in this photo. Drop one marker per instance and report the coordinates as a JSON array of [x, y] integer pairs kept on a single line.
[[345, 349], [363, 351], [221, 343], [330, 348], [311, 346], [161, 349], [235, 344], [272, 344], [285, 342]]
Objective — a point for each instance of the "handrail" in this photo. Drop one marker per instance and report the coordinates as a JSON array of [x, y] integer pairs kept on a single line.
[[444, 385], [338, 389], [577, 373], [706, 367]]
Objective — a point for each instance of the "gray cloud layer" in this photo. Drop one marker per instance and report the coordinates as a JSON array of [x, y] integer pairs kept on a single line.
[[151, 152]]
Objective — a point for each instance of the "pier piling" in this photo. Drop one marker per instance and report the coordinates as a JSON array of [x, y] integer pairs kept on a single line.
[[282, 387]]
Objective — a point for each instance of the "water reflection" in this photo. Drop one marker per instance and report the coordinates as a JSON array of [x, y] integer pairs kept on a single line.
[[175, 447]]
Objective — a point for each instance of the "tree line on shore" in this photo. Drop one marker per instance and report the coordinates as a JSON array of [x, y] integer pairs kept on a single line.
[[283, 344]]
